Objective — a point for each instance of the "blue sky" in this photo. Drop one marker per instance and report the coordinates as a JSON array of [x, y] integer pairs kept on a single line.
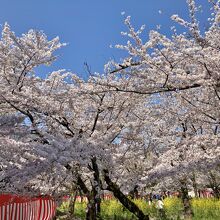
[[89, 26]]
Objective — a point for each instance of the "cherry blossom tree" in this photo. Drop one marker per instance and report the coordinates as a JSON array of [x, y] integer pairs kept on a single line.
[[154, 117], [70, 125], [181, 74]]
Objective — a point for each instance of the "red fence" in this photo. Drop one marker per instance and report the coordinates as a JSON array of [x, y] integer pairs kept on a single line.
[[14, 207]]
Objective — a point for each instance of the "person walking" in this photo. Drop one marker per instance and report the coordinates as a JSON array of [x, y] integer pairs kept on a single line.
[[160, 208]]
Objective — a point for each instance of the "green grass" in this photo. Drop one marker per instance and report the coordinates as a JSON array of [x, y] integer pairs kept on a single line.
[[204, 209]]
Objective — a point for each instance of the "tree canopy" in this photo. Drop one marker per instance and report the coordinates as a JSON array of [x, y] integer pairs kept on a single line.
[[151, 120]]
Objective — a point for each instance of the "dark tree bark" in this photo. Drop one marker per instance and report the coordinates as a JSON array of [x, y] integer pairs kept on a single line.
[[97, 185], [72, 205], [91, 207], [127, 203], [188, 212], [195, 185]]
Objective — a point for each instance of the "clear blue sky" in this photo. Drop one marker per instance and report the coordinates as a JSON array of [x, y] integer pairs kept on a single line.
[[89, 26]]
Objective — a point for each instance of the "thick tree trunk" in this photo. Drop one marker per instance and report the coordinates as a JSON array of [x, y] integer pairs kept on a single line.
[[72, 205], [93, 211], [127, 203], [98, 207], [96, 188], [91, 207], [195, 185], [188, 212]]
